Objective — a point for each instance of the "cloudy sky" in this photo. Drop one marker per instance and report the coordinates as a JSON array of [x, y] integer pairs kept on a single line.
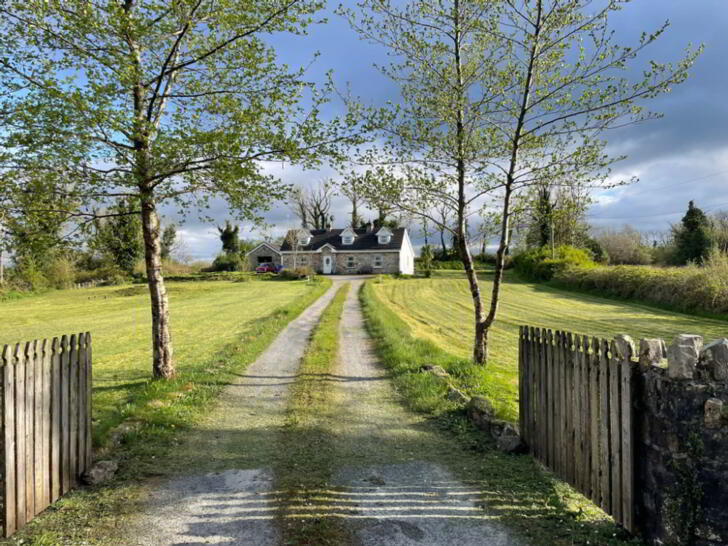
[[681, 157]]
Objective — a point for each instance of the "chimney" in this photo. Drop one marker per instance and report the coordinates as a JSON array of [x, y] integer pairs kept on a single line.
[[369, 227]]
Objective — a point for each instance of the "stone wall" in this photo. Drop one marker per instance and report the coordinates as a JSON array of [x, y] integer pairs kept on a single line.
[[681, 452], [362, 261]]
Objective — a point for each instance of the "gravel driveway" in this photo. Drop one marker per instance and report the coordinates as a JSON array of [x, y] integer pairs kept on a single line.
[[392, 481], [226, 497]]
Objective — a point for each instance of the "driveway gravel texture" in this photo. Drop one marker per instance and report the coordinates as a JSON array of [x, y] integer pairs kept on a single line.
[[394, 479]]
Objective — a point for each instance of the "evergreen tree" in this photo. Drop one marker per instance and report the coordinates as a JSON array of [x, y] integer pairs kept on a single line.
[[693, 238], [118, 236], [229, 237], [169, 237]]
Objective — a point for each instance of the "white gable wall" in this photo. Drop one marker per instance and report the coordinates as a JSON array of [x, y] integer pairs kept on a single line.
[[407, 256]]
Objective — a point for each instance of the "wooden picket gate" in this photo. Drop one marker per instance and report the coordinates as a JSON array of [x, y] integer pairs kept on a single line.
[[576, 415], [46, 419]]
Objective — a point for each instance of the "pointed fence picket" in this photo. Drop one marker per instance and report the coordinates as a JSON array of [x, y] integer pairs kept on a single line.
[[46, 420]]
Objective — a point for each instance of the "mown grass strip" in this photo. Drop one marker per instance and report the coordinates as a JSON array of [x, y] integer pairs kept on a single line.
[[405, 354], [309, 457], [155, 417], [534, 502]]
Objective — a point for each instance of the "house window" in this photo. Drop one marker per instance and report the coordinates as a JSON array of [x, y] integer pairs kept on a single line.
[[303, 260], [377, 261], [384, 239], [348, 240], [350, 262]]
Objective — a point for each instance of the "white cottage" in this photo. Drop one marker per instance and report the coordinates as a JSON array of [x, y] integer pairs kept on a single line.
[[342, 251]]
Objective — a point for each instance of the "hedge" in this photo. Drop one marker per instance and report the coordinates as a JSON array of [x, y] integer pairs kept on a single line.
[[692, 289]]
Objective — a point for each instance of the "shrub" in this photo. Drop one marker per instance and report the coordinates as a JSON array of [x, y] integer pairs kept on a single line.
[[366, 270], [27, 275], [692, 288], [227, 262], [625, 247], [297, 273], [61, 272], [538, 264]]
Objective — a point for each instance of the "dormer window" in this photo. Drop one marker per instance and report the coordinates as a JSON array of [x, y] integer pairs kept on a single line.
[[384, 236], [348, 236]]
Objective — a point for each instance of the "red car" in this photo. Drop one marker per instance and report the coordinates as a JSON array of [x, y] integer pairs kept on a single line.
[[268, 268]]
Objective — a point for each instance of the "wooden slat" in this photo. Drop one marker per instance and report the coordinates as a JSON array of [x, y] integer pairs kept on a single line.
[[586, 417], [46, 412], [548, 398], [29, 431], [521, 383], [73, 410], [20, 435], [537, 420], [39, 439], [544, 432], [564, 413], [56, 437], [604, 460], [554, 401], [89, 402], [627, 371], [65, 429], [577, 393], [569, 398], [615, 435], [9, 489], [594, 425], [81, 389], [532, 397]]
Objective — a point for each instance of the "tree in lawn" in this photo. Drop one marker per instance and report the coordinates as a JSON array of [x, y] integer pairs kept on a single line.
[[169, 241], [118, 235], [162, 102], [693, 237], [497, 97], [230, 238]]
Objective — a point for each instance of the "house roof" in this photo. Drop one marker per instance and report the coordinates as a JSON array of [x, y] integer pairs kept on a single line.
[[272, 246], [364, 240]]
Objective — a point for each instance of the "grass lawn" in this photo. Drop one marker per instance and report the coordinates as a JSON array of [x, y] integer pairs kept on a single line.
[[439, 310], [206, 318]]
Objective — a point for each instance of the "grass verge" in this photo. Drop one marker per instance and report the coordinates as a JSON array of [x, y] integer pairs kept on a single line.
[[155, 416], [528, 499], [440, 309], [309, 460]]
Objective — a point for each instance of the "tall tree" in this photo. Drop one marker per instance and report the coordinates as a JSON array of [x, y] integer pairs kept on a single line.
[[350, 188], [161, 101], [498, 96], [229, 237], [169, 240], [693, 237], [118, 235], [312, 206]]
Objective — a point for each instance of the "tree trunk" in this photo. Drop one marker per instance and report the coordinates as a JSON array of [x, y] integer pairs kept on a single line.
[[510, 182], [163, 364], [480, 353]]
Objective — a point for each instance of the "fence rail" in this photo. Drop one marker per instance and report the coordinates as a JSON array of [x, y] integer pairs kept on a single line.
[[576, 415], [46, 419]]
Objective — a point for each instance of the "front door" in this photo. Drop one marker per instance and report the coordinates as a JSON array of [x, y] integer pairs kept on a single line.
[[327, 265]]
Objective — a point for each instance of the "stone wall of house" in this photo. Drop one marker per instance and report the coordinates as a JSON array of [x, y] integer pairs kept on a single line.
[[263, 251], [361, 262], [681, 452]]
